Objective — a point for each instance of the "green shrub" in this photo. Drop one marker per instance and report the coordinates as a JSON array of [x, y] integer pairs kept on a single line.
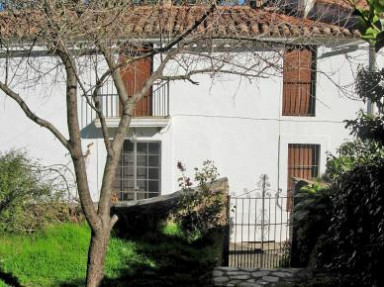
[[370, 87], [18, 180], [355, 239], [29, 199], [311, 219], [199, 209], [20, 184], [356, 234], [349, 155]]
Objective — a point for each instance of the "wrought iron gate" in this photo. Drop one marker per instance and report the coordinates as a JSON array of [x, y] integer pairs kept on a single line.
[[259, 227]]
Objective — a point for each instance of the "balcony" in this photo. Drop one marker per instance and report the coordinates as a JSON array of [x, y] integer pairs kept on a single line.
[[151, 111]]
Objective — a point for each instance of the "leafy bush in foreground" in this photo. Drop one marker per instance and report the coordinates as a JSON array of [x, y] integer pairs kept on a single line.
[[28, 198], [356, 233], [354, 244], [199, 209], [311, 219]]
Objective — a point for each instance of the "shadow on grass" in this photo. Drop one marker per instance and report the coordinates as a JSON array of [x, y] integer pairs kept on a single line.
[[169, 261], [175, 262], [9, 279]]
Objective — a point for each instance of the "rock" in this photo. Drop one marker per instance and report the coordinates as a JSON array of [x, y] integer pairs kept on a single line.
[[248, 284], [235, 282], [235, 273], [240, 277], [282, 274], [260, 273], [217, 273], [271, 279], [262, 283], [220, 279]]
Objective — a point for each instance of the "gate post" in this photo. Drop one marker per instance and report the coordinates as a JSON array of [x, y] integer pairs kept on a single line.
[[227, 230]]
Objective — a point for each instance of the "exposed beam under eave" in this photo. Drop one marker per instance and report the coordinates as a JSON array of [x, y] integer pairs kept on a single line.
[[20, 48]]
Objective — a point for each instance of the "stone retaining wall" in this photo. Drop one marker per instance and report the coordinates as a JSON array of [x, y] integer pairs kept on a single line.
[[137, 217], [250, 277]]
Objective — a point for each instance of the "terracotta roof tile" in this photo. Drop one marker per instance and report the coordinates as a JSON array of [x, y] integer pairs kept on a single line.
[[151, 21]]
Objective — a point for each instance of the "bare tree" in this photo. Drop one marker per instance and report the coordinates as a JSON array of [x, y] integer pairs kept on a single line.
[[110, 36]]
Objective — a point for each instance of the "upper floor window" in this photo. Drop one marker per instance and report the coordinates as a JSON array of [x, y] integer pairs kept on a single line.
[[299, 79], [136, 74]]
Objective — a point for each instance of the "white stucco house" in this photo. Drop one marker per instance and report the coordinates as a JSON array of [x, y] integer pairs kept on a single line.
[[281, 124]]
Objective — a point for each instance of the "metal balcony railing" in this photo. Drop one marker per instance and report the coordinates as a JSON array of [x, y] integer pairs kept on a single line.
[[154, 105]]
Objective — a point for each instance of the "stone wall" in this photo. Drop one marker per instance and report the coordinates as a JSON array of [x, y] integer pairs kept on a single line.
[[140, 216]]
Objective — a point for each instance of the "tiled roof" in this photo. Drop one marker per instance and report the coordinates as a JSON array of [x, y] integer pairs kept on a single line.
[[155, 21]]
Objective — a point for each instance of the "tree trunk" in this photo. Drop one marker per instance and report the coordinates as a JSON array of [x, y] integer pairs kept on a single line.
[[96, 256]]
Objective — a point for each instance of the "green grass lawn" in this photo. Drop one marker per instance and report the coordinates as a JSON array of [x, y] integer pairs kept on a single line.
[[57, 257], [58, 254]]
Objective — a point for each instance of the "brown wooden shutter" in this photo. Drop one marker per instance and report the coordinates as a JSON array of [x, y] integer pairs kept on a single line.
[[303, 162], [135, 75], [297, 82]]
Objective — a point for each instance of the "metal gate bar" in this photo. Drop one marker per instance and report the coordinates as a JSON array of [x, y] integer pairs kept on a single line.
[[259, 231]]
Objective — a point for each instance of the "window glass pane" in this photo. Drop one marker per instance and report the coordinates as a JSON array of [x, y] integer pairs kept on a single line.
[[154, 160], [128, 146], [128, 171], [142, 160], [141, 173], [154, 186], [142, 184], [154, 148], [127, 159], [142, 148], [153, 173], [128, 184]]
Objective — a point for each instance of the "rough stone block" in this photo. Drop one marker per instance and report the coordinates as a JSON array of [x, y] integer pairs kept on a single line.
[[248, 284], [234, 273], [217, 273], [260, 273], [240, 277], [220, 280], [282, 274], [271, 279]]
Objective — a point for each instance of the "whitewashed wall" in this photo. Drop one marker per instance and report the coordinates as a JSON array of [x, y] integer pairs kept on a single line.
[[234, 122], [45, 94], [237, 124]]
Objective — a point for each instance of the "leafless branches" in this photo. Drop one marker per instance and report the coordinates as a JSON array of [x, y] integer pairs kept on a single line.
[[187, 41]]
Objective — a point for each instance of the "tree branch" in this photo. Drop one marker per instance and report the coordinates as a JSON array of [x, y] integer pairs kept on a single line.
[[129, 104], [188, 31]]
